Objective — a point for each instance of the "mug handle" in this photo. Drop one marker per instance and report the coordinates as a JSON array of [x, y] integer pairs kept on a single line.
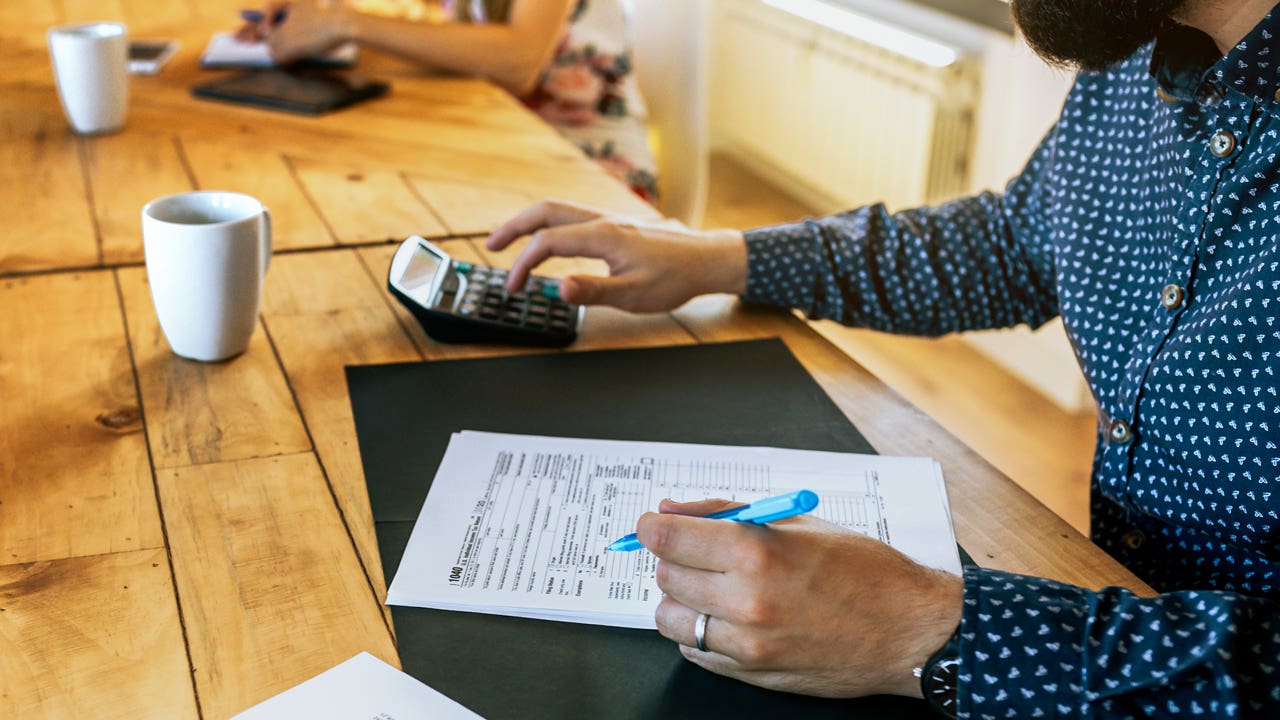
[[266, 240]]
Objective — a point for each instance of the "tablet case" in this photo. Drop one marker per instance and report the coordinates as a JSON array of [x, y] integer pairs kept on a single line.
[[743, 393], [305, 90]]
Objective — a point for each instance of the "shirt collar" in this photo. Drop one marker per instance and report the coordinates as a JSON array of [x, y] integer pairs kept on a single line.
[[1184, 58]]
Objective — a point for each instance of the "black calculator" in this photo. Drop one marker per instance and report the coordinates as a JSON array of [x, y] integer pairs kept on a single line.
[[460, 302]]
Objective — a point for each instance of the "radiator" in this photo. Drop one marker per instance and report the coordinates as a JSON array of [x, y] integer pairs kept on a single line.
[[838, 121]]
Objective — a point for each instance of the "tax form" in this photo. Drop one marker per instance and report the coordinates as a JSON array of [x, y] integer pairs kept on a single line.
[[519, 524]]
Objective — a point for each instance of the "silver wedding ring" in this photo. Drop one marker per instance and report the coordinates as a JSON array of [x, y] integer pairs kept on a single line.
[[700, 631]]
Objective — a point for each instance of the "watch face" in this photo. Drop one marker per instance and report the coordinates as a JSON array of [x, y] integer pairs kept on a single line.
[[941, 693]]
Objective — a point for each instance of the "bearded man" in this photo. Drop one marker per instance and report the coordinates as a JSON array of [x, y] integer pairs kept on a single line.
[[1149, 220]]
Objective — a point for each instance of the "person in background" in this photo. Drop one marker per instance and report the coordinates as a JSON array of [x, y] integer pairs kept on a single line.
[[568, 60], [1149, 220]]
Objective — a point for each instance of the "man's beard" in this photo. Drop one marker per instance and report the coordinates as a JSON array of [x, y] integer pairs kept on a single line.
[[1090, 34]]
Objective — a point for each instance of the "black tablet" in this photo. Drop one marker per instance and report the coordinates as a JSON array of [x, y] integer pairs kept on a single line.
[[306, 90]]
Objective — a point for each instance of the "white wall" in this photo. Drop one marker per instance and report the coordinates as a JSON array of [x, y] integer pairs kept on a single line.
[[1020, 99]]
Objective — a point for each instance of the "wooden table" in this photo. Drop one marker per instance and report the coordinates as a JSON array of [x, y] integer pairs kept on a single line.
[[181, 539]]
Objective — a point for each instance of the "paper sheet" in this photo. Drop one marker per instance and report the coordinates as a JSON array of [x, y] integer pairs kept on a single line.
[[225, 51], [518, 524], [362, 688]]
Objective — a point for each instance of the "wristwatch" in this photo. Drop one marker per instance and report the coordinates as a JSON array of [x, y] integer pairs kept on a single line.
[[939, 678]]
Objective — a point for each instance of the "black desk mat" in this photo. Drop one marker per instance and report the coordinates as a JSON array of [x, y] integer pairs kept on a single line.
[[742, 393]]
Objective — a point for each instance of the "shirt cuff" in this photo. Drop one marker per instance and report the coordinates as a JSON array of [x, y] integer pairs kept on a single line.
[[1020, 646], [782, 264]]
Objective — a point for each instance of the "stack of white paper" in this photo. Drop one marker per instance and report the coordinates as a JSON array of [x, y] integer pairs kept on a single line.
[[225, 51], [362, 687], [518, 525]]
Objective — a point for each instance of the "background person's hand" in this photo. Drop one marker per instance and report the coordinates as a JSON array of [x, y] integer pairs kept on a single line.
[[800, 605], [653, 266], [267, 20], [310, 29]]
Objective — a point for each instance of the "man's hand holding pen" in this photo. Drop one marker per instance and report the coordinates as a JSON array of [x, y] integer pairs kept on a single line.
[[801, 605]]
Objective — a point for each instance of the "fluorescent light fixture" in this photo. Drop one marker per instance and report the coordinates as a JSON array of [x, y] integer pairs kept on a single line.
[[871, 31]]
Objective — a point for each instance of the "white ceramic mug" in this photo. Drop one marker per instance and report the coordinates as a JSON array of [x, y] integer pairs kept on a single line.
[[207, 254], [91, 65]]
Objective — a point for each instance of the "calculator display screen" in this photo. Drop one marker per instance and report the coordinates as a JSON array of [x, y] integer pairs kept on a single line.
[[416, 281]]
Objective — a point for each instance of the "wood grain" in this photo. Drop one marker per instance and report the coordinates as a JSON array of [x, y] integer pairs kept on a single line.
[[363, 205], [272, 591], [208, 412], [267, 177], [325, 313], [126, 171], [95, 637], [469, 208], [48, 219], [74, 478]]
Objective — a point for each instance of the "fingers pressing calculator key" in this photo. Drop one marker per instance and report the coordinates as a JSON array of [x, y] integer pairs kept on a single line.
[[465, 303]]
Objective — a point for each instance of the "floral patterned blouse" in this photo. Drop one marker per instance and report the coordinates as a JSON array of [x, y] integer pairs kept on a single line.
[[589, 94]]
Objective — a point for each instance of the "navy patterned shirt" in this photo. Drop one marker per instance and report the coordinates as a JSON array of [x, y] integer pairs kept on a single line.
[[1149, 219]]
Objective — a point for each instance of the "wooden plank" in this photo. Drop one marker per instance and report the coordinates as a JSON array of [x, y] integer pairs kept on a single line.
[[74, 477], [468, 208], [95, 637], [363, 205], [997, 522], [147, 16], [208, 412], [266, 176], [29, 14], [82, 11], [326, 312], [126, 171], [48, 219], [272, 592], [24, 50]]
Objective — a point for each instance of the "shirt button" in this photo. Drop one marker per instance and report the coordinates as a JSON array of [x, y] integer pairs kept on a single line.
[[1171, 297], [1120, 432], [1222, 143], [1133, 539]]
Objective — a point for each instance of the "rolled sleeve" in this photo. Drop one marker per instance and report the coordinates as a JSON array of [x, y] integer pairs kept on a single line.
[[1031, 647]]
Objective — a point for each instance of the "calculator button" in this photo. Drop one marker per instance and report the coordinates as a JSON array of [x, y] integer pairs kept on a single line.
[[488, 315], [551, 291], [463, 268]]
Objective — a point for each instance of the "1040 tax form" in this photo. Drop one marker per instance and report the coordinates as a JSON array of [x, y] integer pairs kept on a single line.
[[519, 524]]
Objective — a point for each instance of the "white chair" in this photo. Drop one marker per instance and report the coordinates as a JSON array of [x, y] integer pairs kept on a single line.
[[672, 62]]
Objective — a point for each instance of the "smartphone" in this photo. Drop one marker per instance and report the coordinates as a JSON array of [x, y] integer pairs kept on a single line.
[[146, 57]]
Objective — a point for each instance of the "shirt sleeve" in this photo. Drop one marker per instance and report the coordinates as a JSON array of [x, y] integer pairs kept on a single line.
[[980, 262], [1031, 647]]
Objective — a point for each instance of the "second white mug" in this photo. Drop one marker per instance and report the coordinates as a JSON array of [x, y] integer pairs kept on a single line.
[[207, 254], [91, 65]]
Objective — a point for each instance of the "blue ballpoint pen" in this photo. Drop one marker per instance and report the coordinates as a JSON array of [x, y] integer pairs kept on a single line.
[[256, 16], [758, 513]]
